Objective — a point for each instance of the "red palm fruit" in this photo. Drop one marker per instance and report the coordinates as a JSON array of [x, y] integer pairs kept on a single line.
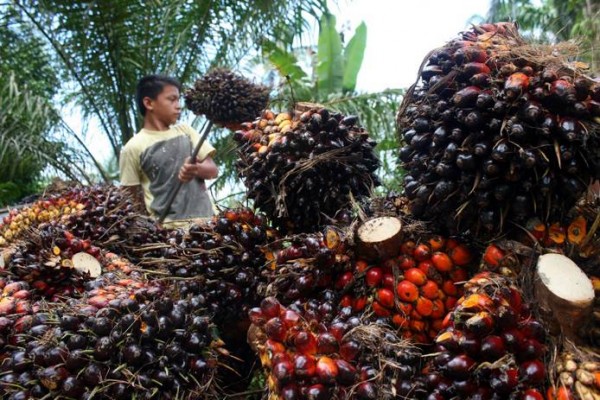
[[430, 290], [492, 348], [327, 343], [280, 357], [344, 280], [385, 297], [480, 324], [349, 350], [515, 85], [404, 308], [449, 340], [305, 366], [360, 266], [256, 316], [459, 254], [470, 345], [408, 247], [7, 306], [22, 294], [407, 291], [533, 329], [317, 392], [459, 367], [388, 281], [449, 287], [327, 370], [515, 300], [418, 327], [442, 261], [447, 321], [290, 392], [532, 394], [468, 96], [338, 330], [505, 381], [424, 306], [99, 301], [532, 350], [276, 330], [305, 342], [406, 261], [270, 307], [422, 252], [346, 300], [493, 256], [283, 371], [533, 371], [23, 307], [513, 339], [346, 372], [438, 311], [458, 275], [436, 242], [415, 315], [389, 265], [359, 303], [13, 287], [380, 310], [374, 276], [366, 391], [428, 269], [416, 276], [477, 302], [399, 320], [437, 325]]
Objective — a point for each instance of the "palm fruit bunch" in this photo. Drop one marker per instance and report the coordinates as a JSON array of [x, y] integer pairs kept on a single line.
[[226, 97], [303, 171], [303, 265], [220, 259], [496, 131], [416, 289], [491, 347], [317, 350], [576, 375], [142, 343], [46, 261], [55, 207]]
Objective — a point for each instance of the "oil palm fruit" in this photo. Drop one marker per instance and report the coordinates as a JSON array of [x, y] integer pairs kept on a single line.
[[416, 289], [318, 350], [226, 97], [302, 265], [497, 131], [140, 343], [303, 171], [491, 347]]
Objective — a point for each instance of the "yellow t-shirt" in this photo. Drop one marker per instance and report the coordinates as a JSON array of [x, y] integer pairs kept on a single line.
[[153, 159]]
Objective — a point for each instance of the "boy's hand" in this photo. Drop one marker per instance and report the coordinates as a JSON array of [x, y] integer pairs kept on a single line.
[[203, 170]]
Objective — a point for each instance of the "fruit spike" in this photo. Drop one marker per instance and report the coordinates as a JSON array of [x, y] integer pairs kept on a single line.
[[495, 132], [330, 354], [490, 344], [315, 163], [226, 97]]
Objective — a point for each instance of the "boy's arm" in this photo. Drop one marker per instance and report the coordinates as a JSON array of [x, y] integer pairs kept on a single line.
[[130, 173]]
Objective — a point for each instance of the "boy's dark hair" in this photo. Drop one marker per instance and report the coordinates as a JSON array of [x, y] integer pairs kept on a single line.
[[151, 86]]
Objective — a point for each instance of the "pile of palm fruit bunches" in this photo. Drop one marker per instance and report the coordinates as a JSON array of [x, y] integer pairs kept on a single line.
[[479, 281]]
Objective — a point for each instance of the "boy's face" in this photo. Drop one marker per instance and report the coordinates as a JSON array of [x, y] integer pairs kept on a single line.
[[166, 107]]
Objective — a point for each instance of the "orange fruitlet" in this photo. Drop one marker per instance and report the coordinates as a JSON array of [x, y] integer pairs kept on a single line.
[[424, 306], [385, 297], [399, 320], [438, 311], [478, 301], [416, 276], [408, 247], [437, 242], [577, 230], [493, 255], [460, 255], [557, 233], [359, 303], [380, 310], [422, 252], [407, 291], [406, 262], [430, 290], [442, 261], [449, 288], [360, 266]]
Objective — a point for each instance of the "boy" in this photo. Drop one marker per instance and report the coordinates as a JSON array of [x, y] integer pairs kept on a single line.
[[160, 152]]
